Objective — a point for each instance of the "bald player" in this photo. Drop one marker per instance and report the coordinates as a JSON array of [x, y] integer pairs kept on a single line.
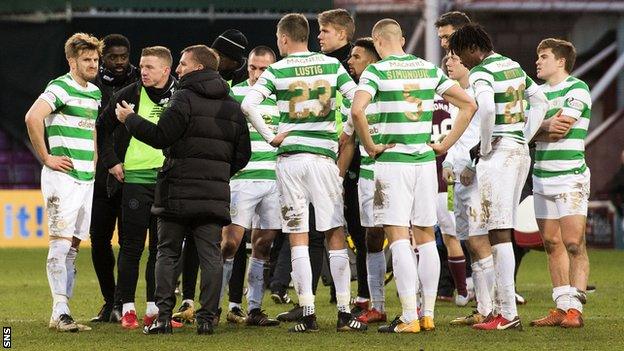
[[405, 172]]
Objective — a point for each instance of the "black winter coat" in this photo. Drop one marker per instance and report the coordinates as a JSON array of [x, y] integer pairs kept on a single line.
[[206, 141]]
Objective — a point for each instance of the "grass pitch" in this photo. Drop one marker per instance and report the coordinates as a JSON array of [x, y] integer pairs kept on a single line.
[[25, 306]]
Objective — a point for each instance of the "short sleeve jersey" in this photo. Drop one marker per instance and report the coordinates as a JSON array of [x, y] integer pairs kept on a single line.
[[403, 88], [70, 127], [566, 156]]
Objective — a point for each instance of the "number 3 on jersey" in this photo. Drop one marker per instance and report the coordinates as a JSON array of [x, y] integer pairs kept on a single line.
[[323, 90], [407, 96]]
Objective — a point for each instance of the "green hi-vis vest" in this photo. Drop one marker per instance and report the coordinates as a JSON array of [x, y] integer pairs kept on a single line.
[[142, 161]]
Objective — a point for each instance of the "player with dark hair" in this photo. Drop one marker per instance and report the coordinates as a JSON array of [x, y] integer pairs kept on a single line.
[[115, 73], [449, 23], [500, 86]]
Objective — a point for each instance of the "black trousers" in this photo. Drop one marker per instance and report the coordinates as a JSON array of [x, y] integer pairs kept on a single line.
[[316, 248], [207, 237], [136, 207], [239, 268], [189, 266], [104, 214], [356, 231]]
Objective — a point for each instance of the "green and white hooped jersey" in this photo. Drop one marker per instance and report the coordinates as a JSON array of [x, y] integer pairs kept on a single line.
[[305, 85], [509, 82], [403, 88], [566, 156], [261, 165], [70, 126]]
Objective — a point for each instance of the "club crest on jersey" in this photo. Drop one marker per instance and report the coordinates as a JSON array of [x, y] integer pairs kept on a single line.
[[574, 103]]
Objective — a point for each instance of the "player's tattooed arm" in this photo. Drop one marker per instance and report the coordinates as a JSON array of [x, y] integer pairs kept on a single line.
[[249, 106]]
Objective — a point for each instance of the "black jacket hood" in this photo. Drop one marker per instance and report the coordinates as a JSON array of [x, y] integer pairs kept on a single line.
[[207, 83]]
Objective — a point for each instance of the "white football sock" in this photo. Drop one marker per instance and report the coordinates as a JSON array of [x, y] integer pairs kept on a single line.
[[151, 309], [255, 281], [127, 307], [482, 292], [429, 275], [70, 265], [419, 295], [341, 274], [575, 302], [406, 278], [376, 268], [505, 264], [302, 277], [56, 270], [189, 302], [225, 278], [561, 297], [231, 305]]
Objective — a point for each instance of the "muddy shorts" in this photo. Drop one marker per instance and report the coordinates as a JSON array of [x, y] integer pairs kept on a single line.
[[68, 204], [500, 177], [466, 204], [308, 178], [366, 192], [405, 194], [251, 198], [561, 196]]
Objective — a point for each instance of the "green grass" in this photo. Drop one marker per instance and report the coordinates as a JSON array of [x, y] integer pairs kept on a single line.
[[25, 306]]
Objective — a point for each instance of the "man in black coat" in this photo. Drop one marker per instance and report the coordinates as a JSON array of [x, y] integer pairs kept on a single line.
[[206, 141]]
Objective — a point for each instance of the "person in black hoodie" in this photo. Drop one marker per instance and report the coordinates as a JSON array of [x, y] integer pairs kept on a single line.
[[115, 73], [206, 141], [133, 168]]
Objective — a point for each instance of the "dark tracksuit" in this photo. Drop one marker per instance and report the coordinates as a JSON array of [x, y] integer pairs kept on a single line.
[[106, 208]]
